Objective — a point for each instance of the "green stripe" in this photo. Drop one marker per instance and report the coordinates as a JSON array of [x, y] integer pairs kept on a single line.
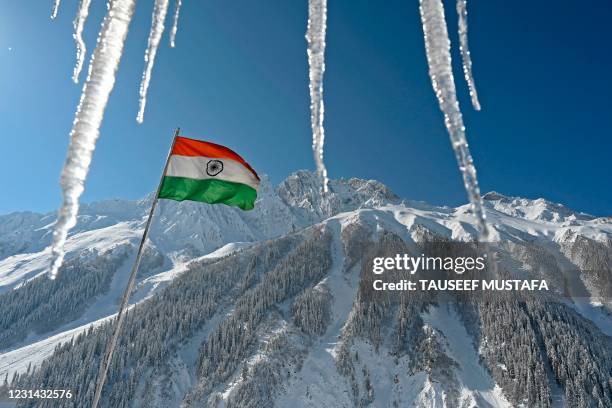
[[210, 191]]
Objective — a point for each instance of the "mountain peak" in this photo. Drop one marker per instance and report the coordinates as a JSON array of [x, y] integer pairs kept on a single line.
[[494, 196], [302, 191], [534, 209]]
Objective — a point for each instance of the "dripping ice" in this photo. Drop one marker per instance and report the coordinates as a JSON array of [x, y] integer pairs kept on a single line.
[[160, 10], [88, 118], [465, 52], [437, 49], [315, 35], [55, 9], [81, 50], [175, 20]]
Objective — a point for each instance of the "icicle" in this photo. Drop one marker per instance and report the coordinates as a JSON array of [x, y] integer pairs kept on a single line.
[[88, 118], [437, 47], [81, 50], [315, 35], [177, 10], [55, 9], [465, 52], [157, 29]]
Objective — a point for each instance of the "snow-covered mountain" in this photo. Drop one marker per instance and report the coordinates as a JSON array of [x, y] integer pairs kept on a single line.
[[180, 230], [274, 307]]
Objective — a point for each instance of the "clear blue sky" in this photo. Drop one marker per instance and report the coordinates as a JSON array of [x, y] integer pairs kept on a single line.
[[238, 77]]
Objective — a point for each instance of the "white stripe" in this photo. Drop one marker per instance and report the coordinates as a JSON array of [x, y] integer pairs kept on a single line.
[[194, 167]]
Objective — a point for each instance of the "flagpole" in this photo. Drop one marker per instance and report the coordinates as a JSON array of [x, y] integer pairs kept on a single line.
[[105, 363]]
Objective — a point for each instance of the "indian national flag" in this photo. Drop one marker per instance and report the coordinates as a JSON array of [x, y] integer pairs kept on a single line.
[[210, 173]]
